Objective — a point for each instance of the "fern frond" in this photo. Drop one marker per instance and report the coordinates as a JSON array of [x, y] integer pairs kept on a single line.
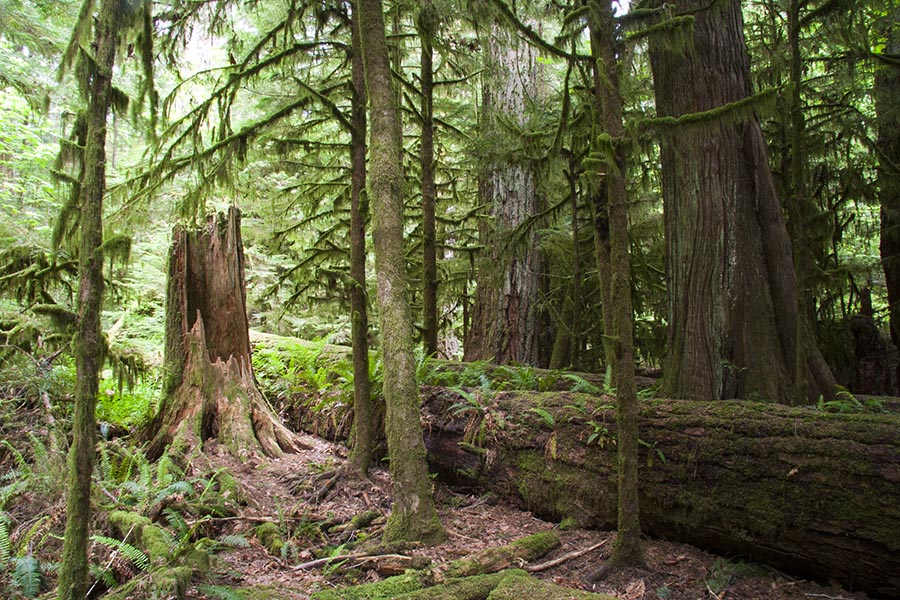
[[5, 543], [27, 576], [135, 555], [222, 592], [235, 541]]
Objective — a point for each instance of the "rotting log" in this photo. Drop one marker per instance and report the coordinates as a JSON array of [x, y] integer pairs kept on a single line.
[[807, 492]]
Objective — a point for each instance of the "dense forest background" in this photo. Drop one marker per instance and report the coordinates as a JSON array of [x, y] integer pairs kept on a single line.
[[706, 194]]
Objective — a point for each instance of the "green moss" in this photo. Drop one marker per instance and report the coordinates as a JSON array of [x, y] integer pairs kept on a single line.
[[268, 592], [269, 536], [387, 589], [569, 523], [129, 524], [476, 587], [172, 582], [156, 543], [518, 584], [490, 560]]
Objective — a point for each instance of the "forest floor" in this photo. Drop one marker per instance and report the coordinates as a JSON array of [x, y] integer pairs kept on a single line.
[[273, 489]]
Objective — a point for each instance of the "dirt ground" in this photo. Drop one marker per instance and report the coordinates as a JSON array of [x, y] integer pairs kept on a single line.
[[274, 490]]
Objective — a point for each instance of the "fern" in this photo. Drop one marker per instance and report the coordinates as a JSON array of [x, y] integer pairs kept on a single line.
[[5, 543], [546, 416], [581, 385], [27, 576], [20, 461], [235, 541], [104, 576], [222, 592], [135, 555], [179, 487]]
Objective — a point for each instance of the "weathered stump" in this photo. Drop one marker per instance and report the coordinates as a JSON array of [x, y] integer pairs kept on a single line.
[[210, 390]]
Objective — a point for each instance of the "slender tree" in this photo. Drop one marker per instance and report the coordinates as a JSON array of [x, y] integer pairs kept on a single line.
[[413, 515], [606, 48], [365, 430], [89, 344], [427, 23]]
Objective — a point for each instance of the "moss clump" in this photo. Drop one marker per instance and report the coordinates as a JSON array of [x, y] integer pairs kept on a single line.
[[518, 584], [491, 560], [129, 524], [476, 587], [387, 589], [172, 582], [270, 537], [156, 543]]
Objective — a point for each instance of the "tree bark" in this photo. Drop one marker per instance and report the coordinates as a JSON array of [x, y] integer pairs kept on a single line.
[[365, 431], [812, 493], [605, 48], [89, 347], [733, 300], [427, 23], [210, 390], [413, 515], [887, 110], [505, 322]]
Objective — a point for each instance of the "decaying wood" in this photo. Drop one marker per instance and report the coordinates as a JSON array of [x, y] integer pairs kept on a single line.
[[498, 558], [210, 390], [808, 492], [561, 559]]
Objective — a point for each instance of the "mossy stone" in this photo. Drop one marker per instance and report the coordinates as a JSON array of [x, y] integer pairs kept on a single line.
[[156, 541], [172, 582], [518, 584]]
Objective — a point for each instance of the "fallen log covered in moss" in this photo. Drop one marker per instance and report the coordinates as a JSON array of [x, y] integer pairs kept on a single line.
[[808, 492]]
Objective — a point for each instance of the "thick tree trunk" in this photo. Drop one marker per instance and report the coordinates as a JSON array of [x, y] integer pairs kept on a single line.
[[365, 430], [733, 303], [811, 493], [210, 390], [73, 571], [505, 322], [887, 108], [413, 515]]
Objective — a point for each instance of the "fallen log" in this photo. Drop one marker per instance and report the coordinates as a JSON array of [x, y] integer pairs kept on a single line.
[[807, 492]]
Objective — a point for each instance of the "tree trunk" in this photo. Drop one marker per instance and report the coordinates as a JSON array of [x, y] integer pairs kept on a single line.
[[505, 321], [811, 493], [89, 346], [365, 430], [413, 515], [427, 24], [210, 390], [887, 109], [605, 49], [733, 303]]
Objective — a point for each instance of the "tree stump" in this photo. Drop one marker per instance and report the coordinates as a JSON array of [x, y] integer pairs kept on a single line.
[[210, 390]]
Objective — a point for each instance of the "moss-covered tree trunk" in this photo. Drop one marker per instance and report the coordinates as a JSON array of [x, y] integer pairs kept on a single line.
[[427, 24], [89, 346], [413, 515], [210, 391], [887, 108], [733, 300], [505, 319], [365, 423], [811, 493], [606, 48]]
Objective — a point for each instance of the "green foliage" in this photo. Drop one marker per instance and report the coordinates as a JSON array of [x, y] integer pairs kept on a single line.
[[27, 576], [222, 592], [136, 556]]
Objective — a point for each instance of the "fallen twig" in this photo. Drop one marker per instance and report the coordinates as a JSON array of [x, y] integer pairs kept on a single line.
[[561, 559]]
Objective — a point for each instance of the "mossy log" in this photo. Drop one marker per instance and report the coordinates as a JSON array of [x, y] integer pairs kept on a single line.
[[498, 558], [505, 585], [808, 492]]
